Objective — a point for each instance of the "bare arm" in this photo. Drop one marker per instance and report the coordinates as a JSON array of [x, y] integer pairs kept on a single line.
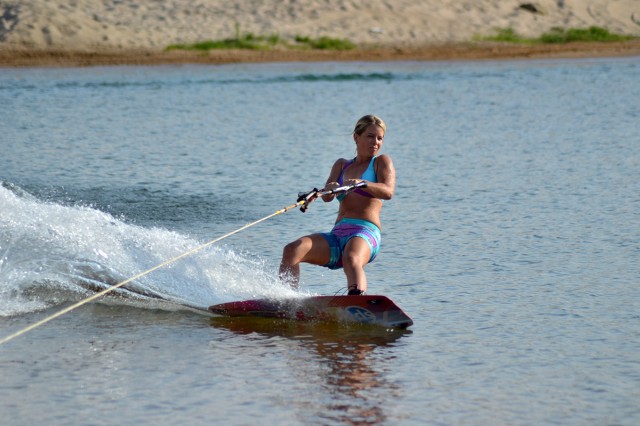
[[332, 181], [386, 179], [386, 185]]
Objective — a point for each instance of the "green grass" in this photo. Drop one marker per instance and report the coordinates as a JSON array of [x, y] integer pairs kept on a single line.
[[253, 42], [246, 41], [325, 43], [557, 35], [506, 35]]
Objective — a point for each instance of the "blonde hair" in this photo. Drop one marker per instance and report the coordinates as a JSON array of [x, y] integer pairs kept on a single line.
[[367, 121]]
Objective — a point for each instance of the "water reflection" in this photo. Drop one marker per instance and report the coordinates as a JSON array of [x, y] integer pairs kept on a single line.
[[354, 383]]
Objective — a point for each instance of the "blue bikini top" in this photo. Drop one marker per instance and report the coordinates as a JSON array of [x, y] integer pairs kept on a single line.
[[368, 175]]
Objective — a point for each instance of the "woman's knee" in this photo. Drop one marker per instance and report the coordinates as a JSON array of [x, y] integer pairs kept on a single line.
[[356, 255], [294, 251], [354, 260]]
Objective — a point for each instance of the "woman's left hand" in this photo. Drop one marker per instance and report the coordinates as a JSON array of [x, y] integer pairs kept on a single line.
[[351, 182]]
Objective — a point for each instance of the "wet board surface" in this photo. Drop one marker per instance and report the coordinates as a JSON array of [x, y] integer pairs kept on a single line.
[[374, 309]]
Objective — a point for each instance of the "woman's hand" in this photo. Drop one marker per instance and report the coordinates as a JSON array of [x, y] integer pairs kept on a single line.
[[351, 182], [328, 187], [331, 185]]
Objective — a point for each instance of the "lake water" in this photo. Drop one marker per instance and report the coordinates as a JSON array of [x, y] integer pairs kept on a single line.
[[513, 241]]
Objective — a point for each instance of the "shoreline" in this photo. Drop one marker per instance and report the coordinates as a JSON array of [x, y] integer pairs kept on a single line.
[[444, 52]]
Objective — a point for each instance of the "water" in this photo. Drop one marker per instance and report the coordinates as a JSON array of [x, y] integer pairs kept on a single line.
[[513, 241]]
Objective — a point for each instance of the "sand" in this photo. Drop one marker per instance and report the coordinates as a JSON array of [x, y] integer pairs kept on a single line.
[[87, 32]]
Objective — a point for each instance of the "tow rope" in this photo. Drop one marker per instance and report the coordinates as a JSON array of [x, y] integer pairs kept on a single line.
[[304, 200]]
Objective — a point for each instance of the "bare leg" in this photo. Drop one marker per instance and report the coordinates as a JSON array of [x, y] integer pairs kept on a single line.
[[312, 249], [356, 255]]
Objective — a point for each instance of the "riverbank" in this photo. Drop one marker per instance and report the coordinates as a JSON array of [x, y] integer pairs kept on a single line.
[[119, 32], [454, 51]]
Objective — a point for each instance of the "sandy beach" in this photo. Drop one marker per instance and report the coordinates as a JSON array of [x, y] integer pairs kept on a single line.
[[98, 32]]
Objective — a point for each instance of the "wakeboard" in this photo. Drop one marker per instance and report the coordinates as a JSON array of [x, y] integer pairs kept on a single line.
[[363, 309]]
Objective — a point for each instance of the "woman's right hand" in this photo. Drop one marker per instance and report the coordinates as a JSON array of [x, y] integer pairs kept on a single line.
[[331, 185], [328, 187]]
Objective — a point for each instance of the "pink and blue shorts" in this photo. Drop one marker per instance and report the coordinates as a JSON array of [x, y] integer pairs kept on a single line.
[[346, 229]]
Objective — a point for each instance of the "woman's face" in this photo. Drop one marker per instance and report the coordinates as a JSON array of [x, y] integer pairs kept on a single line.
[[370, 141]]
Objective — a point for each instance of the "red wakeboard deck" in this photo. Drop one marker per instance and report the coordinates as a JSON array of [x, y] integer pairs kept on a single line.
[[377, 310]]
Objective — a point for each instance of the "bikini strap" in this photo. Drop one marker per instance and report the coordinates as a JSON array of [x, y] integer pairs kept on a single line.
[[342, 171]]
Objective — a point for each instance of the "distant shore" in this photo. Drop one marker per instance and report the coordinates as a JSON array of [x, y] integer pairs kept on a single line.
[[456, 51], [64, 33]]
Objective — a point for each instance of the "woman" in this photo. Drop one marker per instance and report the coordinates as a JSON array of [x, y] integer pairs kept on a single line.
[[354, 241]]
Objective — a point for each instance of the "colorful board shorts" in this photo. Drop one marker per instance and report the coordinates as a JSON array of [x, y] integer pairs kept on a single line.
[[346, 229]]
